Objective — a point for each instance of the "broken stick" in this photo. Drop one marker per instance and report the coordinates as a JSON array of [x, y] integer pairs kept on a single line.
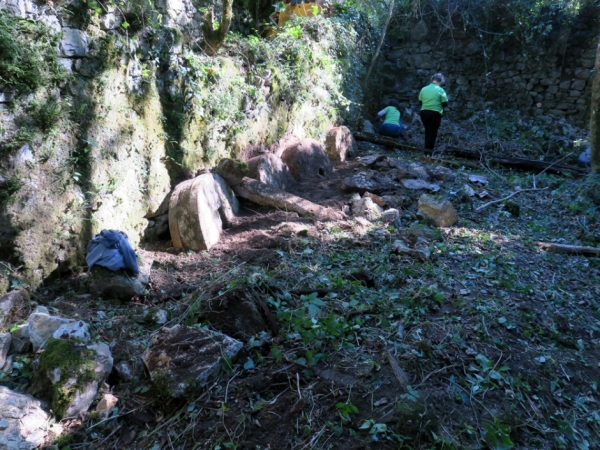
[[485, 205], [570, 249], [400, 374]]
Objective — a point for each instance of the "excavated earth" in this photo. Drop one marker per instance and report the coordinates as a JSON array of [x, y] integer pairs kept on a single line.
[[489, 342]]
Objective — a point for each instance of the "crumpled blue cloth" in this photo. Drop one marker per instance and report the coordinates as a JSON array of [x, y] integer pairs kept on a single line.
[[111, 249]]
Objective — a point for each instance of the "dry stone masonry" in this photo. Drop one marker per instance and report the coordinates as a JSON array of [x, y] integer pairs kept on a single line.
[[545, 82]]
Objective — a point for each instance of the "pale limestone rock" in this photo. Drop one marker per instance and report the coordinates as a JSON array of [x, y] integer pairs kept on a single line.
[[74, 43], [365, 207], [437, 210], [106, 405], [198, 208], [271, 170], [340, 144], [23, 423]]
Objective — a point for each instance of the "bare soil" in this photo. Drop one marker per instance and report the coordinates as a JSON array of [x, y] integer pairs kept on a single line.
[[492, 343]]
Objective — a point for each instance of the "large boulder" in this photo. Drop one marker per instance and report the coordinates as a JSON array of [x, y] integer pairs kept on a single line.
[[69, 373], [340, 143], [198, 209], [437, 210], [307, 159], [182, 358], [23, 422], [120, 284], [270, 169]]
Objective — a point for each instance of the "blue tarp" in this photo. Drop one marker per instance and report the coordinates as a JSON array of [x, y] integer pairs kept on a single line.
[[111, 249]]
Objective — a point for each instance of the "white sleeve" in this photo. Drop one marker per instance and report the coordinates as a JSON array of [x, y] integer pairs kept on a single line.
[[382, 112]]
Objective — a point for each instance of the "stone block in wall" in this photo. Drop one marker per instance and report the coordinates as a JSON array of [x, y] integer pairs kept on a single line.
[[423, 61], [581, 101], [564, 85], [462, 80], [396, 53], [548, 81], [564, 106], [548, 96], [574, 93], [589, 53], [578, 85], [582, 74], [419, 32], [588, 62], [557, 112]]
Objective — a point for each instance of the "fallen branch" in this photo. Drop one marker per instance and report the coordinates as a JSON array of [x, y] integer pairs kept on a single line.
[[570, 249], [267, 195], [517, 163], [400, 374], [485, 205]]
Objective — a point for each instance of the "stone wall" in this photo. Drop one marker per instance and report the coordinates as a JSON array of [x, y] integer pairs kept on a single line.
[[555, 80]]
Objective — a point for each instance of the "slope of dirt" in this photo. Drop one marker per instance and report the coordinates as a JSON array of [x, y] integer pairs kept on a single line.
[[490, 343]]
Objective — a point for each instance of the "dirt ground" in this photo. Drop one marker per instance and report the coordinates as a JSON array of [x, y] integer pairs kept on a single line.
[[490, 343]]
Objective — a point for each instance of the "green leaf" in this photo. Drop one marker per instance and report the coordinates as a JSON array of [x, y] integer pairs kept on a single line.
[[125, 24], [249, 364]]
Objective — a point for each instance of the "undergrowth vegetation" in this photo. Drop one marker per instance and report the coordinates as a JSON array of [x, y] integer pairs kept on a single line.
[[305, 77], [28, 56]]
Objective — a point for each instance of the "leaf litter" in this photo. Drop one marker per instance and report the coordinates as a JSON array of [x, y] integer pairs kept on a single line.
[[491, 342]]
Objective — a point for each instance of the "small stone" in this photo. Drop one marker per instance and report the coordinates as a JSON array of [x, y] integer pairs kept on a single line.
[[106, 405], [376, 198], [365, 207], [441, 173], [392, 216], [5, 339], [20, 342], [124, 370], [420, 184], [437, 210]]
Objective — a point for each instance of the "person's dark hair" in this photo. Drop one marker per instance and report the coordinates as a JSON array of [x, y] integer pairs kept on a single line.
[[439, 77], [395, 104]]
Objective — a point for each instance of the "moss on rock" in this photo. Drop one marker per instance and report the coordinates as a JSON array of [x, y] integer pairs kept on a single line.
[[64, 367]]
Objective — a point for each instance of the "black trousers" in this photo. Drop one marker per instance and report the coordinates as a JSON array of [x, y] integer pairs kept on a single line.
[[431, 121]]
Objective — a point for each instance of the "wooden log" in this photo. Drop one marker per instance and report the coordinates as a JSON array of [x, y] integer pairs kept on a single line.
[[570, 249], [517, 163], [266, 195]]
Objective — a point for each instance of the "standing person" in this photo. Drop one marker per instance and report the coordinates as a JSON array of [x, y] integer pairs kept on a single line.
[[391, 125], [433, 100]]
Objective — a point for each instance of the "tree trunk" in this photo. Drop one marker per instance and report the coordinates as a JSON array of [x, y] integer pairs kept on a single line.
[[595, 119], [385, 27], [214, 36], [267, 195]]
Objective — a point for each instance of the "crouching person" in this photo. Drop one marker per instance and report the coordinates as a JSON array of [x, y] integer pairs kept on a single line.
[[391, 125]]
